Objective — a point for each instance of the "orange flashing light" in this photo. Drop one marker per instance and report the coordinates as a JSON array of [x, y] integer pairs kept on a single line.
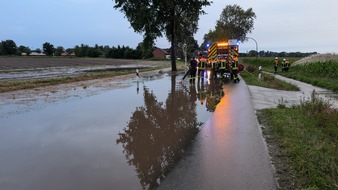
[[222, 44]]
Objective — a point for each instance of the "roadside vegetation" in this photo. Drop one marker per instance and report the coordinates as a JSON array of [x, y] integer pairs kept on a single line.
[[303, 143], [322, 74], [303, 139], [251, 72]]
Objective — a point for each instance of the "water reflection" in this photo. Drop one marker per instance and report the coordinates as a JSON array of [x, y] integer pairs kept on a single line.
[[158, 133], [214, 93]]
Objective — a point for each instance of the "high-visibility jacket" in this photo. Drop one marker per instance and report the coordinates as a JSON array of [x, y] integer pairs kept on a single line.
[[234, 65], [202, 64], [213, 64], [223, 63]]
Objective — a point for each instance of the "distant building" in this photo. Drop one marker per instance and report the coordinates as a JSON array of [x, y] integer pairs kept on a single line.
[[68, 54], [34, 53], [159, 53]]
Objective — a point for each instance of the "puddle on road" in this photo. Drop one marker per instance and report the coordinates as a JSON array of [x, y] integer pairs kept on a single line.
[[127, 138]]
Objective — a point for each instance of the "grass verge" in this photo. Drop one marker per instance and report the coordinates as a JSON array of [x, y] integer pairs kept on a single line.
[[303, 143], [250, 75]]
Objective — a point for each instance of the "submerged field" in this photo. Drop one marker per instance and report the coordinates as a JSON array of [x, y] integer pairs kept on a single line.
[[18, 73]]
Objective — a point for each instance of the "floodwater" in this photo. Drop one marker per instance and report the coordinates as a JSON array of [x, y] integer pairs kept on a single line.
[[53, 72], [128, 138]]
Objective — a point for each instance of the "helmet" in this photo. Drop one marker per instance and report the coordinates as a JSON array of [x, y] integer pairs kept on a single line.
[[276, 58], [284, 59]]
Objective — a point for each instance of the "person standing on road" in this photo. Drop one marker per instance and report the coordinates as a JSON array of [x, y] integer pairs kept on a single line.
[[222, 66], [202, 67], [213, 66], [276, 64], [193, 69], [234, 71]]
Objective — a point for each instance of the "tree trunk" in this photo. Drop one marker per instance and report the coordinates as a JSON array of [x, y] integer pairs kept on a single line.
[[173, 45]]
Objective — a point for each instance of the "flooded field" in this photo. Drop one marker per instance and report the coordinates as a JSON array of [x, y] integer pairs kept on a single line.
[[125, 138]]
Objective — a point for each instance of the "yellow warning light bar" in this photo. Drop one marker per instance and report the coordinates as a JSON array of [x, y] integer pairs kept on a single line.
[[222, 44]]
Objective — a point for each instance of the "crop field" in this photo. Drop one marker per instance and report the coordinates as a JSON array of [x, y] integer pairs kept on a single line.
[[319, 70]]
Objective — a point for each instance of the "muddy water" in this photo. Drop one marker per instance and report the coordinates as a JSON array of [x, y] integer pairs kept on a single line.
[[127, 138]]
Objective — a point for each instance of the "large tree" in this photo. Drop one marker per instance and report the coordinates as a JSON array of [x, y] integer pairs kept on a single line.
[[234, 23], [9, 47], [48, 49], [155, 18]]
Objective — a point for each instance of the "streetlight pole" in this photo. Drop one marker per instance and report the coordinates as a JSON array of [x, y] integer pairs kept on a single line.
[[256, 45]]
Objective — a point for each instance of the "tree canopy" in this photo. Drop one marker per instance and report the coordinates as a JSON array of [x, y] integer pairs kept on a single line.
[[234, 23], [48, 48], [155, 18], [8, 47]]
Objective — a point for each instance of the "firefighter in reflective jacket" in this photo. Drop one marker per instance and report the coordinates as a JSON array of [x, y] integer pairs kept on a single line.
[[202, 67], [276, 64], [193, 68], [287, 65], [222, 66], [214, 67], [234, 71]]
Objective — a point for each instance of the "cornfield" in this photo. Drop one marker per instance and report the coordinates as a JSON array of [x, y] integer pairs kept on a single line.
[[324, 69]]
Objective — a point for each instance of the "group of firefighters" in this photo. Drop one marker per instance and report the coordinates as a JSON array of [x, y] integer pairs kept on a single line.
[[285, 65], [199, 68]]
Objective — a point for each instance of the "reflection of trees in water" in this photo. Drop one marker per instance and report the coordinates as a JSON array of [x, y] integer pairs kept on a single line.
[[157, 135]]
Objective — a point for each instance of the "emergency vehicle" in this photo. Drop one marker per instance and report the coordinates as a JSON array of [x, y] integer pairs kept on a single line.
[[224, 53]]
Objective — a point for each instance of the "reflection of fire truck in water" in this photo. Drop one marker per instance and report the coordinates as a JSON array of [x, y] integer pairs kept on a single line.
[[221, 60], [210, 94]]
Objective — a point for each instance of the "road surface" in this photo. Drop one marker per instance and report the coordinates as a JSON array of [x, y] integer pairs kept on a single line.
[[229, 152]]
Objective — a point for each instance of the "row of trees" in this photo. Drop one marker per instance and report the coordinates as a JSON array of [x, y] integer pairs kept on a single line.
[[9, 47], [253, 53], [110, 52]]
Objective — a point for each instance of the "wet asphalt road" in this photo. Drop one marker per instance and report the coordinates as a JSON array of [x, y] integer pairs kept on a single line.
[[229, 152]]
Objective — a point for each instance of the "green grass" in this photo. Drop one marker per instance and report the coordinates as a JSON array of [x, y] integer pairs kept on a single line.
[[321, 74], [250, 75], [306, 137], [303, 139]]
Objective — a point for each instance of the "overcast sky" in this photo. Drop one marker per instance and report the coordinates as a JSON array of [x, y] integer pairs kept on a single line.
[[288, 25]]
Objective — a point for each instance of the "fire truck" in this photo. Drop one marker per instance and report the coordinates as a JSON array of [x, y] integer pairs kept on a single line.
[[223, 53], [229, 50]]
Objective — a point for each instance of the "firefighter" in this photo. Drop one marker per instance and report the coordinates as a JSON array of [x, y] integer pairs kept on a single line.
[[202, 67], [276, 64], [222, 66], [287, 64], [283, 65], [213, 66], [193, 69], [234, 71]]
